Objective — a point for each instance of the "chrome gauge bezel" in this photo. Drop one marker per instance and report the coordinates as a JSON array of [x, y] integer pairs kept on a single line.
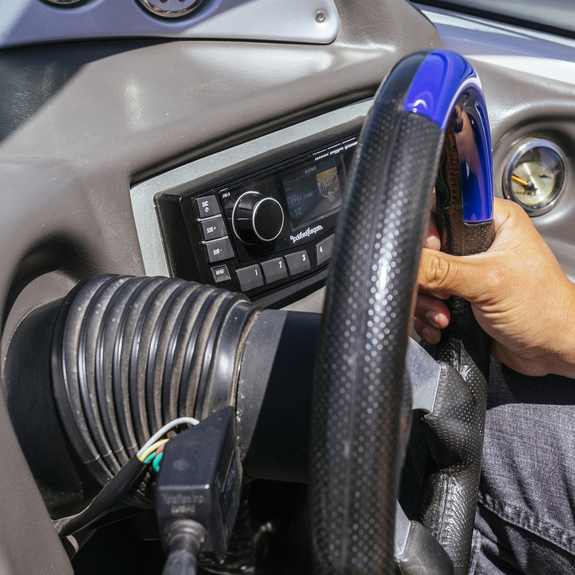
[[62, 3], [169, 13], [511, 165]]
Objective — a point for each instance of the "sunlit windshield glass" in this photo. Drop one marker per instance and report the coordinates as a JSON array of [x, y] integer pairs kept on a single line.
[[550, 15]]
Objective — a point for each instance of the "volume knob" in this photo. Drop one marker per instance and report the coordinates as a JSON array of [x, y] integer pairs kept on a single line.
[[257, 218]]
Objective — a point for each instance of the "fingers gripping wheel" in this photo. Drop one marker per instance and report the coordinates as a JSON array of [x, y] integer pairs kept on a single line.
[[358, 392], [464, 197]]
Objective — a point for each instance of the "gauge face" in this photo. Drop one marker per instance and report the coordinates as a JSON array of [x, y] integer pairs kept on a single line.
[[535, 176], [170, 8]]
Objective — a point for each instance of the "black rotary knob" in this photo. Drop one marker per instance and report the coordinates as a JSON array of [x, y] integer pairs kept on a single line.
[[257, 218]]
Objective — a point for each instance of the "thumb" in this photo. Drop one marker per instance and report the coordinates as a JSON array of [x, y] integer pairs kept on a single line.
[[455, 275]]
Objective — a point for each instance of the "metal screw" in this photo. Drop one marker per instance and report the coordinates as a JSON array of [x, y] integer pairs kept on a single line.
[[320, 17]]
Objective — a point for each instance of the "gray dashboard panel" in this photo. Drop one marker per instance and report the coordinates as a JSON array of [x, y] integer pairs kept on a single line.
[[127, 112], [31, 21], [120, 116], [71, 152]]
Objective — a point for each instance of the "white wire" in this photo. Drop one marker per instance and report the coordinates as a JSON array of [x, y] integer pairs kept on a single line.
[[164, 430]]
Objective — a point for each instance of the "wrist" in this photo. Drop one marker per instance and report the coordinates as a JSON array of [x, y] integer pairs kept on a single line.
[[560, 344]]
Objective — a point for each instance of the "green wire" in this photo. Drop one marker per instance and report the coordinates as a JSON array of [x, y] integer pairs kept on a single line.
[[150, 457], [156, 464]]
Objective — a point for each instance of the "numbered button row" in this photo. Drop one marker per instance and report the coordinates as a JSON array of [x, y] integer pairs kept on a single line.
[[251, 277]]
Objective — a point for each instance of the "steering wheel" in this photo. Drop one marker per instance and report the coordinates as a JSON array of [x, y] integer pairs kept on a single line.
[[429, 118]]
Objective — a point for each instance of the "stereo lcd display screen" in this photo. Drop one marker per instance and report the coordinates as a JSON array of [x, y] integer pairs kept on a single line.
[[312, 192]]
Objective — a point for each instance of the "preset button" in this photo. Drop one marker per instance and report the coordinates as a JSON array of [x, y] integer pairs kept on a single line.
[[250, 277], [323, 250], [298, 262], [275, 270]]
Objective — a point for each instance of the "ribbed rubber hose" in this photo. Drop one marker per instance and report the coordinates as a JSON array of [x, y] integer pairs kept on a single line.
[[355, 455], [131, 354]]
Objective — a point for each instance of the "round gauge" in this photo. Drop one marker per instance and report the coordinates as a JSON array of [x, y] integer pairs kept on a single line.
[[535, 176], [61, 2], [170, 8]]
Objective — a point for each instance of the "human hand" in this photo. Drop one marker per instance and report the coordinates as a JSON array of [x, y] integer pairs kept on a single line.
[[519, 294]]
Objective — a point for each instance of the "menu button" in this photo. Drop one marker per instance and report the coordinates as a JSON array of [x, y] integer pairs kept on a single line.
[[221, 273]]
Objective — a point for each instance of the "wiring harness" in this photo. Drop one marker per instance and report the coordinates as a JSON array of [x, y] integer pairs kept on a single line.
[[115, 490], [197, 492]]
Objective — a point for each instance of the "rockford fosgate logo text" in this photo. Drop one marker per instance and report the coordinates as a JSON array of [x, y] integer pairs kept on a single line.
[[306, 234]]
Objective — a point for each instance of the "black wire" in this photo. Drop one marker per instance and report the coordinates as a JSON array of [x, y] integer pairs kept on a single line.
[[183, 539], [104, 501], [180, 563]]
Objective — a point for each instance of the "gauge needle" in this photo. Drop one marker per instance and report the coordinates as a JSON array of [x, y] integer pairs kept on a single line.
[[526, 185]]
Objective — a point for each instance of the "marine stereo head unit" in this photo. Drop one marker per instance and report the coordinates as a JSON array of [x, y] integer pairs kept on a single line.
[[263, 231]]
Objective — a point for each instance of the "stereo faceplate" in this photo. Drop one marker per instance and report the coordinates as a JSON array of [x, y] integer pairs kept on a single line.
[[220, 234]]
